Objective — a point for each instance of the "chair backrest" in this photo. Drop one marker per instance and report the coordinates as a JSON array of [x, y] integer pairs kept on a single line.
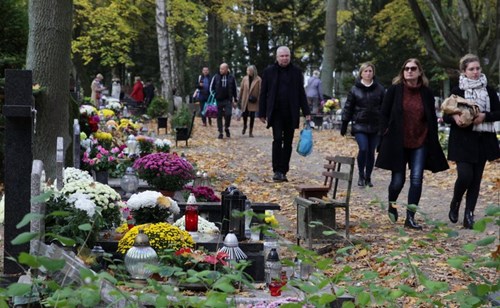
[[342, 176], [329, 167]]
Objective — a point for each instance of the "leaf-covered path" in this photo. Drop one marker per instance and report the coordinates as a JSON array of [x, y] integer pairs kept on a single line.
[[377, 243]]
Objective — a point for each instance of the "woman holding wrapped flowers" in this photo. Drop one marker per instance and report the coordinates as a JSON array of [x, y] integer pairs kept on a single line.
[[363, 109], [470, 146]]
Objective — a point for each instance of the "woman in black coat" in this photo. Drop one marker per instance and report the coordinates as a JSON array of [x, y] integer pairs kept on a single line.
[[409, 137], [471, 146], [362, 107]]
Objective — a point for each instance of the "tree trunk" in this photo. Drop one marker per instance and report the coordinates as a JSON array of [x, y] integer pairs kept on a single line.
[[330, 48], [163, 51], [49, 56], [214, 42]]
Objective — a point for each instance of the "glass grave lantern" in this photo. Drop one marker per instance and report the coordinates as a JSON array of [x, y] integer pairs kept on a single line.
[[129, 182]]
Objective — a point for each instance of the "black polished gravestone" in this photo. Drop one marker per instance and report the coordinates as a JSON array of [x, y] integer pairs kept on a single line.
[[18, 111]]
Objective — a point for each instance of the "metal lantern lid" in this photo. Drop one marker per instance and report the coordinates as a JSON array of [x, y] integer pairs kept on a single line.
[[130, 171], [231, 240], [231, 248], [141, 240], [273, 255]]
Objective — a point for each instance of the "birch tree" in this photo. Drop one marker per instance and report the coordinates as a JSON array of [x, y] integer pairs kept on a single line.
[[163, 49]]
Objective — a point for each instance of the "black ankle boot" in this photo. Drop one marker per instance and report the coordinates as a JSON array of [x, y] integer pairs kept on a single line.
[[468, 219], [368, 182], [410, 221], [393, 213], [453, 214], [244, 130], [361, 181]]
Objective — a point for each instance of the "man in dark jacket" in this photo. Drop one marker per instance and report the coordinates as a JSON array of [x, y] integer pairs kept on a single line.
[[149, 92], [203, 86], [282, 96], [224, 87]]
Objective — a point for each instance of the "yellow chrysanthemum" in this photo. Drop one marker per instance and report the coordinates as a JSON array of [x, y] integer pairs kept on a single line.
[[103, 136], [107, 113], [161, 236], [122, 229]]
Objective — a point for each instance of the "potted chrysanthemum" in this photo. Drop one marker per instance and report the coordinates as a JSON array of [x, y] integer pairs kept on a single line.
[[151, 207], [166, 172]]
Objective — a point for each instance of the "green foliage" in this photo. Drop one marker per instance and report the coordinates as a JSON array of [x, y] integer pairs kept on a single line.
[[158, 107], [182, 118]]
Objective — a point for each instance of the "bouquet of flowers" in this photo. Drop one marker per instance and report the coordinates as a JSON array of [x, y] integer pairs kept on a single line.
[[73, 174], [107, 200], [202, 193], [330, 105], [163, 145], [128, 127], [164, 171], [270, 219], [161, 235], [96, 157], [89, 120], [146, 144], [204, 226], [151, 207]]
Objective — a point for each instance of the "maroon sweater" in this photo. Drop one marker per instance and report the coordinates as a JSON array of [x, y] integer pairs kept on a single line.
[[414, 122]]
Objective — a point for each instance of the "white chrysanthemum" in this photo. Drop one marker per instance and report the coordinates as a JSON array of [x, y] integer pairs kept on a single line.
[[83, 202], [204, 226], [73, 174], [114, 105], [103, 195], [87, 109], [163, 142], [146, 198]]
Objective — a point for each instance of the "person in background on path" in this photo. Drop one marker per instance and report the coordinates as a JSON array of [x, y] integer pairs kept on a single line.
[[362, 107], [471, 146], [97, 87], [313, 92], [138, 90], [203, 86], [116, 88], [149, 92], [249, 97], [409, 137], [224, 86], [282, 97]]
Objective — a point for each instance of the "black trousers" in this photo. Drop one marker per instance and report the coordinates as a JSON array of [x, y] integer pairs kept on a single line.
[[283, 131], [469, 176], [224, 110]]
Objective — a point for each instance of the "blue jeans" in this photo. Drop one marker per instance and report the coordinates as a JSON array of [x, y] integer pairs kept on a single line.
[[416, 160], [367, 143]]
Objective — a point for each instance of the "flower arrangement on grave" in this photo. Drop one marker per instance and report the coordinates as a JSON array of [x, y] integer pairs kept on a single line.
[[98, 158], [204, 226], [163, 145], [73, 175], [114, 106], [162, 236], [128, 127], [151, 207], [107, 200], [198, 260], [330, 105], [146, 144], [106, 114], [104, 138], [78, 217], [202, 193], [164, 171], [89, 120]]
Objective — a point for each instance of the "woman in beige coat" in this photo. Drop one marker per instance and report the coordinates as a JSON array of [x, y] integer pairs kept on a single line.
[[249, 97]]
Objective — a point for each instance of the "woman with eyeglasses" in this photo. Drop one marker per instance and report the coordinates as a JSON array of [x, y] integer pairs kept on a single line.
[[409, 137], [471, 146]]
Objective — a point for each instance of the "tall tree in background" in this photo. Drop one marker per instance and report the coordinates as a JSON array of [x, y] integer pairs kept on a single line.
[[451, 29], [330, 47], [164, 49], [49, 51]]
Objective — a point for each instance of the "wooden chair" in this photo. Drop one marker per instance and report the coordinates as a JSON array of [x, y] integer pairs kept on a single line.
[[319, 191], [323, 210]]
